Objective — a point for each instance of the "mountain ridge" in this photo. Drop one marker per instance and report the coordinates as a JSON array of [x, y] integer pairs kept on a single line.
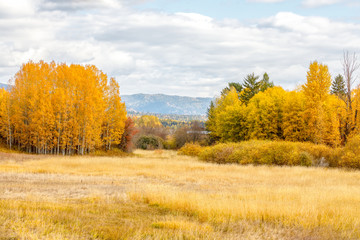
[[166, 104], [160, 103]]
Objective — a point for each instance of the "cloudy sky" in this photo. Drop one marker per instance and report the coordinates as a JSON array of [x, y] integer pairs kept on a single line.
[[181, 47]]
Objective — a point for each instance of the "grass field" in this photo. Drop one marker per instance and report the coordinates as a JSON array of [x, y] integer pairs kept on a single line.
[[160, 195]]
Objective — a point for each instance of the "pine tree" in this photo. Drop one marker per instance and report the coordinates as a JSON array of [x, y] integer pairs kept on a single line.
[[251, 86], [210, 124], [265, 83], [338, 87], [238, 87]]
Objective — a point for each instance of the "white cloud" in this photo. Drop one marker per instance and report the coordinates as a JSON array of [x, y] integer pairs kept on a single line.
[[318, 3], [182, 53], [266, 1]]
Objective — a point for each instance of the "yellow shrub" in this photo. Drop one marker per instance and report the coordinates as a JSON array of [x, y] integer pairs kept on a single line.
[[350, 155], [190, 149], [268, 152]]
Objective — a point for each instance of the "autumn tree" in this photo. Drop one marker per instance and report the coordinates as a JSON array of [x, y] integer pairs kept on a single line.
[[294, 126], [230, 118], [148, 121], [238, 87], [62, 109], [150, 126], [318, 105], [130, 130], [265, 114], [5, 124]]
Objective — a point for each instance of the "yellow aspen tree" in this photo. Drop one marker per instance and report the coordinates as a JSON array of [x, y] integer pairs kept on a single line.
[[265, 117], [61, 109], [5, 124], [332, 107], [228, 116], [149, 121], [22, 97], [316, 91], [294, 126], [115, 115], [355, 119], [231, 124]]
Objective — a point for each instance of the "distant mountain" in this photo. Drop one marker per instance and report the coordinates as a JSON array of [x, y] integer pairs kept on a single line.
[[166, 104], [2, 85]]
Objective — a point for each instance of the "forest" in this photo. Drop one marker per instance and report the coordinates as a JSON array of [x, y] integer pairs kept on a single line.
[[61, 109], [320, 111]]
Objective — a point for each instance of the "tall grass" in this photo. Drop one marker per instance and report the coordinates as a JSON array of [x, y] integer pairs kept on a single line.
[[174, 196]]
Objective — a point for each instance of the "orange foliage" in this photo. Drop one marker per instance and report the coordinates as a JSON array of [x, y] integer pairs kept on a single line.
[[61, 109]]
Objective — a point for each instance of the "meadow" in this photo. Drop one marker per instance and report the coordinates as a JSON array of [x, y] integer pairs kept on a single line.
[[161, 195]]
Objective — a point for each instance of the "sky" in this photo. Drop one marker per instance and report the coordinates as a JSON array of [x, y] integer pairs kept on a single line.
[[181, 47]]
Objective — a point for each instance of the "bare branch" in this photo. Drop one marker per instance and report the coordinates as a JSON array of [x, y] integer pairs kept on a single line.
[[350, 65]]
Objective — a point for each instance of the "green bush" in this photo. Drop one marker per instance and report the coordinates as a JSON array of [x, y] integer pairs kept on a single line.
[[149, 142], [190, 149], [269, 153]]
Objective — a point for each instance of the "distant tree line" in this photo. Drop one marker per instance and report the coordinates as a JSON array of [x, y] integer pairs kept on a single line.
[[153, 133]]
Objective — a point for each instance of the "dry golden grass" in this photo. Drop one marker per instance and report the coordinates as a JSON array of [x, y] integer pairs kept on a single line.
[[160, 195]]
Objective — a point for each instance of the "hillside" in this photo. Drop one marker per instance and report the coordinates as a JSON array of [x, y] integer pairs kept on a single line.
[[166, 104], [2, 85]]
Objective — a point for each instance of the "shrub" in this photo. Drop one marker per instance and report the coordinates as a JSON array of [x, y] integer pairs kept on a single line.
[[218, 153], [322, 155], [149, 142], [268, 152], [306, 159], [190, 149], [170, 143], [350, 154]]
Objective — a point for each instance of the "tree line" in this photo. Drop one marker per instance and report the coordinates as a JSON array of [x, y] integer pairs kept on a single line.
[[321, 111], [61, 109]]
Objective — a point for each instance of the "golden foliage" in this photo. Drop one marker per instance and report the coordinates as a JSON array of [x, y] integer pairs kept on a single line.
[[61, 109], [190, 149], [310, 113]]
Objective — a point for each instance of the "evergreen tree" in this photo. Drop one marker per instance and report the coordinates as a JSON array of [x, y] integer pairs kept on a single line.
[[210, 124], [265, 83], [338, 87], [251, 87], [238, 87]]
